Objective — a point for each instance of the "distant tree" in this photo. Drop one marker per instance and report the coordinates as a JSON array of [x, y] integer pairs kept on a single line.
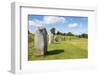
[[70, 34], [64, 34], [84, 35], [28, 32], [79, 36], [53, 30], [58, 33]]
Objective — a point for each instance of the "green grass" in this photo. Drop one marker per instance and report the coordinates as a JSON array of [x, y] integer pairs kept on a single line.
[[73, 48]]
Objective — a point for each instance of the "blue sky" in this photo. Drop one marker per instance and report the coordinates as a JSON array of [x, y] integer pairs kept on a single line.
[[74, 24]]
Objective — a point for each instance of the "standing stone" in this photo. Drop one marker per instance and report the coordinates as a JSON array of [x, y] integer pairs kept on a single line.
[[55, 39], [51, 38], [40, 41], [44, 32]]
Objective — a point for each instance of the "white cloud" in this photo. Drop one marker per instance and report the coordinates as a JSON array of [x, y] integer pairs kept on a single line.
[[35, 23], [53, 19], [46, 20], [73, 25]]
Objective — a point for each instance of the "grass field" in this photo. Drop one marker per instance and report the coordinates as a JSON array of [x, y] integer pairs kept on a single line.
[[70, 48]]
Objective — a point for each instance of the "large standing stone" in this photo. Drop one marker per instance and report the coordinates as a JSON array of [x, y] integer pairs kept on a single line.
[[40, 40]]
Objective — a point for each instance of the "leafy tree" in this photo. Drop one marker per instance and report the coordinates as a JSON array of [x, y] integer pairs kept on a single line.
[[59, 33], [84, 35], [53, 30], [70, 34], [28, 32]]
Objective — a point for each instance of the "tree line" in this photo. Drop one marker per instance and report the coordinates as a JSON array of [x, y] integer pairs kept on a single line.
[[53, 31], [83, 35]]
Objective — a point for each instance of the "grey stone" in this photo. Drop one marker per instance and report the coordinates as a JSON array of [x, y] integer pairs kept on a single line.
[[45, 40], [40, 41], [51, 38], [56, 39]]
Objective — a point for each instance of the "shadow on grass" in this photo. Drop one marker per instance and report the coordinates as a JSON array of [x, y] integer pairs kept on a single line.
[[53, 52], [56, 43]]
